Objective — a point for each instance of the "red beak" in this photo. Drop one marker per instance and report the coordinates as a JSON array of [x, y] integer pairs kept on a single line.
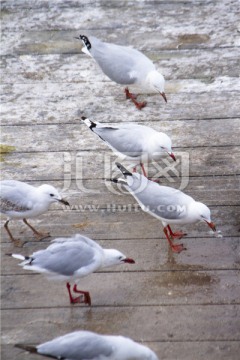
[[211, 225], [172, 156], [129, 261], [164, 96]]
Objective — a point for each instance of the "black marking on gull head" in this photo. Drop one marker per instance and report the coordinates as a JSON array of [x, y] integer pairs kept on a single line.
[[85, 41]]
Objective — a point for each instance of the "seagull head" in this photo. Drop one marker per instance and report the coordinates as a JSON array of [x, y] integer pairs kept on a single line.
[[115, 257], [204, 214], [156, 82], [165, 144], [51, 194]]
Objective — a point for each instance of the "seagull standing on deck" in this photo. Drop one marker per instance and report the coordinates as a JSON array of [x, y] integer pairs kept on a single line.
[[19, 200], [72, 258], [169, 205], [125, 66], [86, 345], [138, 143]]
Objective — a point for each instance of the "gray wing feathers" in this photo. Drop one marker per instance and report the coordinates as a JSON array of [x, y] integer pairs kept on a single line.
[[162, 201], [117, 62], [123, 140], [65, 259], [79, 345]]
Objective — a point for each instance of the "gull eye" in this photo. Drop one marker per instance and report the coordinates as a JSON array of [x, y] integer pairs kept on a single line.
[[51, 195], [120, 257]]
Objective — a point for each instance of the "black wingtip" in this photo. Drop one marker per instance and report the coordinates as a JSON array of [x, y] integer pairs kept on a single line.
[[29, 348], [123, 170], [86, 41], [112, 180]]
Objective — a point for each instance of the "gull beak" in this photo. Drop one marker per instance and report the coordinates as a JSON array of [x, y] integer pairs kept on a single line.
[[172, 156], [211, 225], [65, 202], [129, 261], [163, 95], [76, 37]]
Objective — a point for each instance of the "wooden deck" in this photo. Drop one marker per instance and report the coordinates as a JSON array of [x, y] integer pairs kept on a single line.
[[184, 306]]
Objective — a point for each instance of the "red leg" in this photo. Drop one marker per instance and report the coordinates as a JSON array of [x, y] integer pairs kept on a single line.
[[71, 298], [87, 298], [134, 169], [143, 169], [133, 97], [176, 235], [38, 234], [175, 248]]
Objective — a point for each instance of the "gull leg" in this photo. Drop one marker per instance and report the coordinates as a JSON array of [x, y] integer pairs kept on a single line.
[[143, 169], [175, 248], [16, 242], [133, 97], [176, 235], [87, 298], [38, 234], [71, 298], [145, 174]]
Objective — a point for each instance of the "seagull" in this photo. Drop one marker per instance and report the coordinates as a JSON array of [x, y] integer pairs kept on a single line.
[[71, 258], [80, 345], [169, 205], [125, 66], [138, 143], [20, 200]]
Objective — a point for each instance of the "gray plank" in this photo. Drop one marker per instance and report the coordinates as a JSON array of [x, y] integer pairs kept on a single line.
[[64, 103], [169, 34], [71, 68], [55, 166], [78, 137]]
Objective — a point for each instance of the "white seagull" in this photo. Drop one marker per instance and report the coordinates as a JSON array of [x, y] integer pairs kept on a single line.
[[72, 258], [20, 200], [169, 205], [86, 345], [138, 143], [125, 66]]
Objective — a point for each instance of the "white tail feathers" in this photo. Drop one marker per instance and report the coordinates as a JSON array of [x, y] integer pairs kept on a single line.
[[86, 121], [18, 256]]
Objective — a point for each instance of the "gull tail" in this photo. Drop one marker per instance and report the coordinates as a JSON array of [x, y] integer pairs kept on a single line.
[[27, 260], [117, 181], [123, 170], [88, 122], [29, 348], [87, 45], [19, 256]]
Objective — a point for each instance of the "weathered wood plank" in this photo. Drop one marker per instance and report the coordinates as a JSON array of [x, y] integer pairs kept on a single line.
[[64, 103], [150, 254], [111, 223], [95, 194], [54, 166], [78, 137], [72, 68], [167, 350], [201, 323], [114, 289], [56, 25]]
